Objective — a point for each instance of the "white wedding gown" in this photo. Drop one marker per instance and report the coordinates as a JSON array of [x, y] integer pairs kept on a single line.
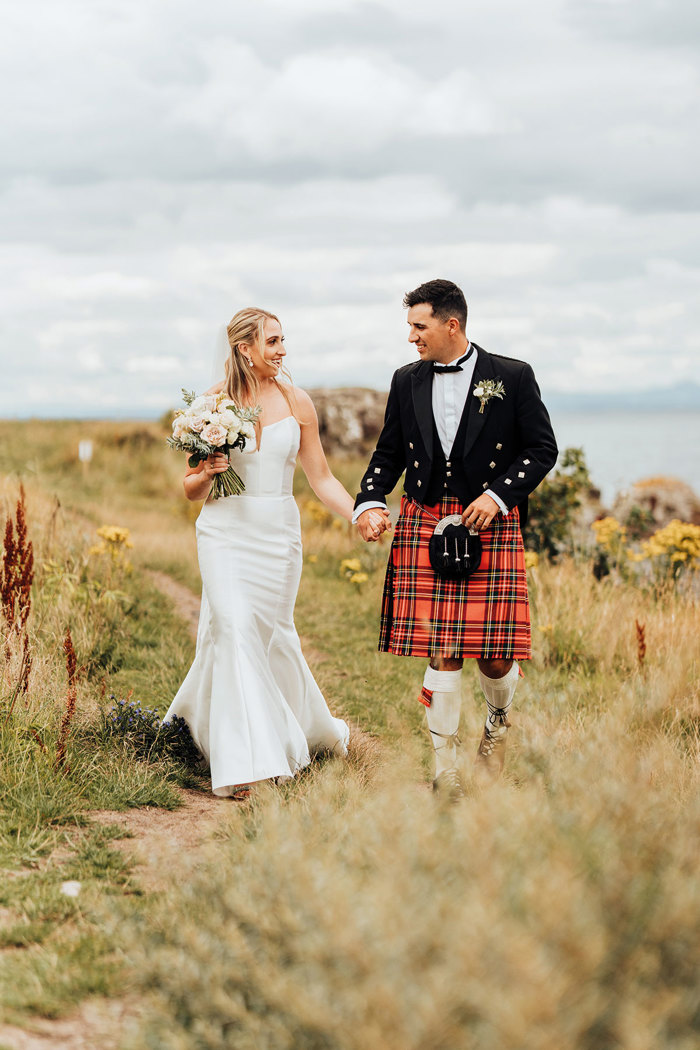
[[249, 698]]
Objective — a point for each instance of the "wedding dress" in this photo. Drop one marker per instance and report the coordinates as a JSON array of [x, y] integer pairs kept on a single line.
[[250, 700]]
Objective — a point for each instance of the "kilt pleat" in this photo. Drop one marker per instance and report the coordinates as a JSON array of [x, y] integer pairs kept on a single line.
[[424, 614]]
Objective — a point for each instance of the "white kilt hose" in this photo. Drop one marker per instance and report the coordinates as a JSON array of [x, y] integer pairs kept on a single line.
[[423, 614]]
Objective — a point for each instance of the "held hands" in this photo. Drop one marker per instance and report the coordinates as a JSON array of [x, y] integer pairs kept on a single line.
[[373, 522], [215, 464], [480, 513]]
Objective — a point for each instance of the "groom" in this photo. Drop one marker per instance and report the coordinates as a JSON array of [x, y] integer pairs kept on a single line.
[[474, 438]]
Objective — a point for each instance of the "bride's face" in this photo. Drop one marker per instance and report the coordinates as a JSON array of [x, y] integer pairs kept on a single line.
[[267, 360]]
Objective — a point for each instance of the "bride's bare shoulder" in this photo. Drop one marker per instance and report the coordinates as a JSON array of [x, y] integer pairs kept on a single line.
[[304, 404]]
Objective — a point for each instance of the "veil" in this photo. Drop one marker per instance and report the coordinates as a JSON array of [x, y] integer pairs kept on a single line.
[[222, 349]]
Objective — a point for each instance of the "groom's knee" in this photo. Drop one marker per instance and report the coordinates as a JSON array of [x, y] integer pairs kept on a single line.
[[495, 668], [445, 663]]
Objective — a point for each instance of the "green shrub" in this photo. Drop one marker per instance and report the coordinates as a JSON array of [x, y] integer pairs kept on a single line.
[[553, 506]]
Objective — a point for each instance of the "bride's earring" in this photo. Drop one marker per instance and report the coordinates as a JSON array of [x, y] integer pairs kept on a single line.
[[250, 362]]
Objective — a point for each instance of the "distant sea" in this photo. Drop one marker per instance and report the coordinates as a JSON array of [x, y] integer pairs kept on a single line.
[[623, 447]]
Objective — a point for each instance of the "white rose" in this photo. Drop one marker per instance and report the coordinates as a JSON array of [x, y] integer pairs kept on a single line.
[[214, 434], [247, 430], [196, 422], [179, 426], [232, 436], [227, 418], [204, 403], [479, 391]]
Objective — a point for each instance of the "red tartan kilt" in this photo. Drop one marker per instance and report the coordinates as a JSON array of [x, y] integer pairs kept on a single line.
[[424, 614]]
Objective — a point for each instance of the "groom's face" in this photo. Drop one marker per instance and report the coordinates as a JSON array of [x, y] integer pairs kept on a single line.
[[433, 339]]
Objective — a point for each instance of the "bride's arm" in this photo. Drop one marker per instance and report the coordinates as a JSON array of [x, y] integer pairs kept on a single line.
[[314, 463]]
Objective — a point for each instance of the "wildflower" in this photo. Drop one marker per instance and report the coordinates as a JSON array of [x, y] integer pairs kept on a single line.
[[359, 578], [16, 577], [677, 545], [71, 698], [349, 566], [115, 541], [608, 531], [115, 535], [532, 559], [319, 514]]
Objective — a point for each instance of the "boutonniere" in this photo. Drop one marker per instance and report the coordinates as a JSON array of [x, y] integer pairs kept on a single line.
[[488, 388]]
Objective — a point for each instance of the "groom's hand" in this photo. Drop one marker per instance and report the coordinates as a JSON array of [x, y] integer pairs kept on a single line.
[[480, 513], [373, 522]]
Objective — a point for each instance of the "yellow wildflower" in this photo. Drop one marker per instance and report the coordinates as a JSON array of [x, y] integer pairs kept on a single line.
[[116, 535], [359, 577], [317, 512], [679, 541], [532, 559], [115, 541], [349, 566], [608, 531]]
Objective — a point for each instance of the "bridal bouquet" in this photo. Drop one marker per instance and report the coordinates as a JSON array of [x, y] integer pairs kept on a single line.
[[213, 423]]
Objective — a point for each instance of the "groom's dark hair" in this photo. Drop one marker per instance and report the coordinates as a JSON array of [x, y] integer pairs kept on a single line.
[[446, 299]]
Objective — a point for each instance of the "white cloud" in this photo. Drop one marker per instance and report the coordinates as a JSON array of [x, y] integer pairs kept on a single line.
[[335, 103], [153, 365], [164, 164]]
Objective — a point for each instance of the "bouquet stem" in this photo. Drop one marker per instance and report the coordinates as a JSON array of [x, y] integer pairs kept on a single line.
[[228, 483]]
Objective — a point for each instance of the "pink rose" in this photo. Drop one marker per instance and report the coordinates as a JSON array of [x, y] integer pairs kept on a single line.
[[214, 434]]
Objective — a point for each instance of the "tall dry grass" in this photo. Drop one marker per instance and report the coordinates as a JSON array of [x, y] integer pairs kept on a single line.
[[351, 908], [561, 911]]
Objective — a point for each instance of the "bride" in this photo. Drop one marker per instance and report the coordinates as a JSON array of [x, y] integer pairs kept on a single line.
[[250, 700]]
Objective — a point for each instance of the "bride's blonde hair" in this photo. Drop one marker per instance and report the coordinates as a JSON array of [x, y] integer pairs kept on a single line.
[[242, 384]]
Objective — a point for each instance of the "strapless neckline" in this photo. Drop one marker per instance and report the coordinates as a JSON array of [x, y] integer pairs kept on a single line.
[[277, 421]]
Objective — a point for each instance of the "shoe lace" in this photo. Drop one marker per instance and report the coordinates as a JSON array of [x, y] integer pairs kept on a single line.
[[498, 717], [451, 739], [495, 735], [448, 781]]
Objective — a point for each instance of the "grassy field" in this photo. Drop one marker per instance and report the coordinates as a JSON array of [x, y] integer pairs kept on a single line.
[[561, 908]]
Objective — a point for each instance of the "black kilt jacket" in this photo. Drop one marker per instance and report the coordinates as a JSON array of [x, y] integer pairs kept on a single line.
[[508, 448]]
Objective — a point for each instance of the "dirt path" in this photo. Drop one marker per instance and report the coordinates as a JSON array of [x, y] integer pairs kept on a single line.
[[186, 603], [164, 844], [97, 1025]]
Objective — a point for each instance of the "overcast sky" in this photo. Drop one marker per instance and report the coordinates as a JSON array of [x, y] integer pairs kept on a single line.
[[164, 163]]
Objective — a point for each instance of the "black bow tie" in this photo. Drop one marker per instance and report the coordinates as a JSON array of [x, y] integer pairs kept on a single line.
[[456, 367]]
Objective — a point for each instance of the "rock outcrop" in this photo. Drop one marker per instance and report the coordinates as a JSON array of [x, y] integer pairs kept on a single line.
[[350, 418], [662, 498]]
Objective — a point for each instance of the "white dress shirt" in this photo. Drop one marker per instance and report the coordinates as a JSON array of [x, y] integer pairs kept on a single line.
[[450, 391]]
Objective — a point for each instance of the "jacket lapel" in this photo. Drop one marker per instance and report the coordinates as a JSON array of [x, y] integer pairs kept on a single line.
[[422, 380], [483, 369]]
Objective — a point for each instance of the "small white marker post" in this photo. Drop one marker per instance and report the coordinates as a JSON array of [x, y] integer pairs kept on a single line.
[[85, 453]]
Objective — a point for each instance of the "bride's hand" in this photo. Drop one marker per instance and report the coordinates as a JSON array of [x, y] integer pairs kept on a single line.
[[215, 464]]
